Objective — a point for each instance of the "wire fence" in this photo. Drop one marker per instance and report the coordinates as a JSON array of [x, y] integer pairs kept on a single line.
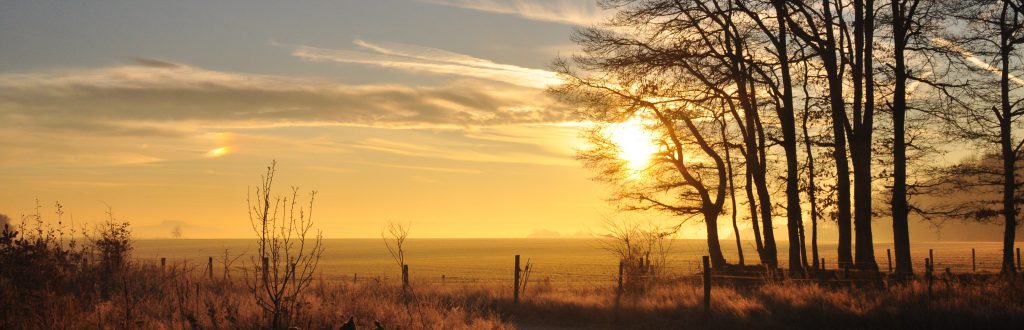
[[574, 274]]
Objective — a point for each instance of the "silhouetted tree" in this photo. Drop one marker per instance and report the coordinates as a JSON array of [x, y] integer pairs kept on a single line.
[[815, 25], [288, 250], [989, 49]]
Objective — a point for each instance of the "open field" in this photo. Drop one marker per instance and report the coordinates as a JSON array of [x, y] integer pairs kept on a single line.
[[559, 260], [113, 282], [147, 297]]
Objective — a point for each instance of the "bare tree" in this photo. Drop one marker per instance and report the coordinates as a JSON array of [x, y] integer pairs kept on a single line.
[[176, 231], [288, 249], [988, 48], [228, 260], [394, 236]]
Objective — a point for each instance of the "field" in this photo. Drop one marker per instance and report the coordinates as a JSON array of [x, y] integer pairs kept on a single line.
[[567, 261], [45, 285]]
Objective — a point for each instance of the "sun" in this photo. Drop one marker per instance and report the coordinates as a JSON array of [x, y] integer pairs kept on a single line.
[[637, 144]]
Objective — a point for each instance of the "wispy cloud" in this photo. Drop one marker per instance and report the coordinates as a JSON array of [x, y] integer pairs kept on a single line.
[[574, 12], [430, 60], [468, 151], [144, 99], [971, 57]]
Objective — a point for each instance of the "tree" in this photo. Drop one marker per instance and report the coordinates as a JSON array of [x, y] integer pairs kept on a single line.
[[815, 26], [685, 64], [288, 249], [394, 240], [776, 77], [918, 59], [988, 49]]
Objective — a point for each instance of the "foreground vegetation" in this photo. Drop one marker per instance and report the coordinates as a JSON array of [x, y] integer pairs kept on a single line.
[[46, 284]]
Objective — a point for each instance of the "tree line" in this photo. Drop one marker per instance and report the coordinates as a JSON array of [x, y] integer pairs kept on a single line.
[[834, 110]]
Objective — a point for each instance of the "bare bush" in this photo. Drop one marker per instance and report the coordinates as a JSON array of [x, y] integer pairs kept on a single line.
[[288, 250], [643, 248]]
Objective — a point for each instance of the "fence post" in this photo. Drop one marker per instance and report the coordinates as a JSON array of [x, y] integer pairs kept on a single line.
[[405, 276], [515, 291], [707, 287], [931, 258], [888, 256], [822, 263], [163, 263], [266, 269], [209, 267], [974, 262], [355, 277], [1018, 259], [443, 281]]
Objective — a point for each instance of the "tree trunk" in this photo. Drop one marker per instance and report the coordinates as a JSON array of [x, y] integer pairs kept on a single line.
[[838, 106], [900, 211], [1006, 144], [788, 122], [732, 197], [714, 248], [753, 215], [861, 144], [811, 195]]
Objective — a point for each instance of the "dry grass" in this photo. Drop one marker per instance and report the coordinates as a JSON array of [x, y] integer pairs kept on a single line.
[[145, 296]]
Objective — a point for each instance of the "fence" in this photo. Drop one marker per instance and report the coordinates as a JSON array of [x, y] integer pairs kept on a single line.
[[583, 274]]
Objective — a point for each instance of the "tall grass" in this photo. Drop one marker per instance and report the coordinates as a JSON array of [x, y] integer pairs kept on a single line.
[[50, 282], [182, 297]]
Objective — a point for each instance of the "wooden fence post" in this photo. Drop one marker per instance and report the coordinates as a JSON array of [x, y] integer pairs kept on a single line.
[[163, 263], [888, 256], [405, 276], [707, 287], [209, 267], [931, 257], [1018, 260], [515, 290], [974, 262], [266, 269], [443, 281], [822, 263], [355, 277]]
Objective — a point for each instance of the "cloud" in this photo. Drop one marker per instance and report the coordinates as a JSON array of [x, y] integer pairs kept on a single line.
[[573, 12], [472, 150], [414, 58], [165, 99]]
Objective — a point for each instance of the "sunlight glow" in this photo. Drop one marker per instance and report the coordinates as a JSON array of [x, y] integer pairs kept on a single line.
[[218, 152], [637, 144]]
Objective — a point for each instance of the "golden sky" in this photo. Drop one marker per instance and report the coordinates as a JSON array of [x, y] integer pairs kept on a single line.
[[430, 112]]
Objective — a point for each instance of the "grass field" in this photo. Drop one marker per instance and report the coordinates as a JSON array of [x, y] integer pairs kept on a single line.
[[48, 284], [560, 260]]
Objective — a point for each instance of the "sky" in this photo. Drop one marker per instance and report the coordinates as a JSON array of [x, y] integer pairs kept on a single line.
[[428, 112]]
